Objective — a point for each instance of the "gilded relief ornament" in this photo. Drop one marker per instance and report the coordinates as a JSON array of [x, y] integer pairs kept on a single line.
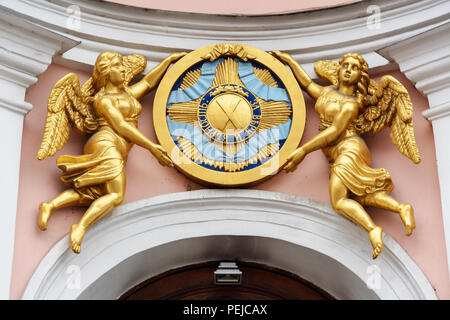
[[353, 105], [230, 114], [106, 108]]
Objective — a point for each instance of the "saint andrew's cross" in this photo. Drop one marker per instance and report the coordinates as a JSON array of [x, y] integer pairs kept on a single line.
[[229, 111]]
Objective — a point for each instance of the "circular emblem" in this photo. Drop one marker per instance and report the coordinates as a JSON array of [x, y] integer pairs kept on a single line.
[[229, 114]]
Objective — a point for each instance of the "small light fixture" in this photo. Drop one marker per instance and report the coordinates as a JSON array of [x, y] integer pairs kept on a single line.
[[227, 273]]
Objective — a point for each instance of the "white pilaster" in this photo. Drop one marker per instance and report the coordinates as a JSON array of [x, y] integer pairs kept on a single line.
[[25, 52], [425, 60]]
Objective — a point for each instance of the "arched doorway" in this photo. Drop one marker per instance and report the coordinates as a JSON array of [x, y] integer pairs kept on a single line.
[[143, 239], [196, 282]]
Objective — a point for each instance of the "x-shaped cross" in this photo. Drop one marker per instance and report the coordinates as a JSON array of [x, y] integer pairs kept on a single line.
[[229, 111]]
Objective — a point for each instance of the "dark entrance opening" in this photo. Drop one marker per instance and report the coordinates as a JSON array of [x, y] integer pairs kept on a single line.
[[196, 282]]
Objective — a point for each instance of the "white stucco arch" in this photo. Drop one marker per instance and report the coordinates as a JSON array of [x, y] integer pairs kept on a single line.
[[147, 237]]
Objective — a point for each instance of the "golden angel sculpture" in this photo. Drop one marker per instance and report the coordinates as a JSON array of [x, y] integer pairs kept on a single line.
[[106, 108], [354, 104]]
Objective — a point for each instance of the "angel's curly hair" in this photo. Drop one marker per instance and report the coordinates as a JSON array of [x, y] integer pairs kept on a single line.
[[364, 86], [102, 68]]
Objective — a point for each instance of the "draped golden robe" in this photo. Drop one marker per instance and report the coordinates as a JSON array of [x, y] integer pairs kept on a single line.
[[104, 158], [350, 160]]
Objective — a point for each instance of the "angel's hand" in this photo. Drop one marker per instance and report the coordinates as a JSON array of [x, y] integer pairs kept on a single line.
[[282, 56], [294, 159], [161, 155], [176, 56]]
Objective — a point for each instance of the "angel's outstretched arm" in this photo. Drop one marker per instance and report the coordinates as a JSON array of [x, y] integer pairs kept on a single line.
[[151, 79], [313, 89], [326, 137], [115, 119], [329, 136]]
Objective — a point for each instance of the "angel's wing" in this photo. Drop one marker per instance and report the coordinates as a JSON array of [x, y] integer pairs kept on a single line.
[[391, 107], [327, 69], [134, 64], [67, 105]]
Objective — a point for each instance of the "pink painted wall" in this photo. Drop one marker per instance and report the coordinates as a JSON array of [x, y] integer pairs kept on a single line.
[[39, 181], [248, 7]]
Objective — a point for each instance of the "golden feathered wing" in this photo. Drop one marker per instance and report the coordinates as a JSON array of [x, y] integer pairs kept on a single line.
[[391, 107], [69, 105]]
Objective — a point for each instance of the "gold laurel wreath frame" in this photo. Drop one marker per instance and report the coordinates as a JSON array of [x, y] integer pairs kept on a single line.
[[211, 177]]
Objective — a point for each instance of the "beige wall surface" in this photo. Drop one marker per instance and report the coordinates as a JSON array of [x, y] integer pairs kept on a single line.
[[417, 184]]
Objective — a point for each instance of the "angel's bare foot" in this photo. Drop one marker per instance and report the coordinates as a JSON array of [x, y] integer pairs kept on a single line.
[[76, 236], [45, 211], [407, 215], [376, 238]]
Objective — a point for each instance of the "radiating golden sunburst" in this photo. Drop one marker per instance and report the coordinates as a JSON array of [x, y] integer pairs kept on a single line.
[[273, 113]]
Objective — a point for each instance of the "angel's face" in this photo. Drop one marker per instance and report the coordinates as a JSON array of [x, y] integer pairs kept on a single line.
[[117, 72], [350, 71]]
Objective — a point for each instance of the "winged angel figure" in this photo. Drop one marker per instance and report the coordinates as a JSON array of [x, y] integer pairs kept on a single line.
[[106, 108], [354, 104]]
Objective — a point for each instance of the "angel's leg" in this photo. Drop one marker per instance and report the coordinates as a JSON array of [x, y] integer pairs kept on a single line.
[[383, 200], [98, 209], [352, 210], [68, 198]]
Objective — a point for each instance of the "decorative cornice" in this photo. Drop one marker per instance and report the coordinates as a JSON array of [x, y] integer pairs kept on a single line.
[[424, 57], [27, 47], [437, 112], [26, 50], [425, 60], [308, 36], [20, 107]]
